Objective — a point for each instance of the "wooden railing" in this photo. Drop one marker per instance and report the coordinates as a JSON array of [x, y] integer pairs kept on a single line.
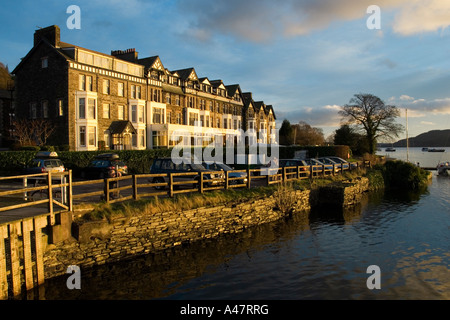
[[43, 190], [133, 187]]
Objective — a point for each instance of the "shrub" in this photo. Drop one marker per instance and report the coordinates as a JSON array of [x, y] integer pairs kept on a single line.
[[400, 174]]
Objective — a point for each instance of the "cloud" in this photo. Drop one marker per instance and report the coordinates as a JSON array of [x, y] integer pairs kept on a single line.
[[427, 123], [324, 116], [421, 107], [422, 16], [263, 20]]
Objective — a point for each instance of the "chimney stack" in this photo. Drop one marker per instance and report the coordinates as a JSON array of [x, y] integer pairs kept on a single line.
[[130, 55], [52, 34]]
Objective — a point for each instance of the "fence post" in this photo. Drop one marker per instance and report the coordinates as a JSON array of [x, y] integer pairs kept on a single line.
[[70, 192], [135, 188], [3, 277], [106, 188], [201, 182], [25, 185], [226, 180], [50, 196], [249, 177], [171, 185]]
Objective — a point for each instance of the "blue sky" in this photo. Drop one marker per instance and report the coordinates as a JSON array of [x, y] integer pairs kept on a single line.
[[304, 57]]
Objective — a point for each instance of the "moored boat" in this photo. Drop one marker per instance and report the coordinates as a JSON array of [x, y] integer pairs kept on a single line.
[[390, 149], [436, 150], [443, 169]]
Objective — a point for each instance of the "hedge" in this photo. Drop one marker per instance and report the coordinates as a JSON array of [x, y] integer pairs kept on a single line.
[[139, 161]]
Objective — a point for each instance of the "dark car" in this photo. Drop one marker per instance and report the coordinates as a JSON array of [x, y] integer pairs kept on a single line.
[[219, 166], [318, 165], [293, 163], [45, 161], [166, 166], [344, 162], [107, 165], [329, 161]]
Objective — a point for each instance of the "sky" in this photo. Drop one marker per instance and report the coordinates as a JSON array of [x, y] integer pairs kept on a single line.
[[305, 58]]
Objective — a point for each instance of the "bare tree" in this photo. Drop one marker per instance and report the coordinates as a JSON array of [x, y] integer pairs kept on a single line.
[[42, 130], [373, 116], [23, 132], [31, 132]]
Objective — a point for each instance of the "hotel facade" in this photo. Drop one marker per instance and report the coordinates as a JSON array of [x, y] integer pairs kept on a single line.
[[123, 102]]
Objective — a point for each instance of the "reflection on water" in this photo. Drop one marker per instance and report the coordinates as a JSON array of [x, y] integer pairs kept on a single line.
[[323, 255]]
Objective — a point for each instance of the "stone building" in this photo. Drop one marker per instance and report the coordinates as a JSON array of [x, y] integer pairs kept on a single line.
[[120, 101], [6, 107]]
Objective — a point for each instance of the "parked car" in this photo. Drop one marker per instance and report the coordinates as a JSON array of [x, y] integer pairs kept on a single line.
[[350, 165], [107, 165], [45, 161], [294, 163], [316, 163], [219, 166], [337, 165], [166, 165]]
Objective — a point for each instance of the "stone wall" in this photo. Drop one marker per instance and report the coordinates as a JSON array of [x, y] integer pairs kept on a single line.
[[99, 242]]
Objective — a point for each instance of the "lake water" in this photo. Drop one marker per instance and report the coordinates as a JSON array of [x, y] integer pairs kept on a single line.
[[321, 255]]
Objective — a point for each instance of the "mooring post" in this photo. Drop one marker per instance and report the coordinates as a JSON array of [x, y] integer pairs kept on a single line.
[[27, 227]]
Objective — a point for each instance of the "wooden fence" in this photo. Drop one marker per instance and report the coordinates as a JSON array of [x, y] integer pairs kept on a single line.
[[66, 192]]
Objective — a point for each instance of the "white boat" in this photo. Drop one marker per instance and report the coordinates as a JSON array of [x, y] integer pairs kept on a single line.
[[443, 169]]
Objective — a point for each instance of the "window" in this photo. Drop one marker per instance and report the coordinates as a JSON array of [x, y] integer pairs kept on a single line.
[[138, 92], [218, 122], [202, 120], [106, 111], [158, 115], [225, 123], [177, 100], [107, 138], [141, 114], [82, 108], [207, 121], [82, 82], [33, 110], [133, 91], [44, 105], [60, 107], [235, 125], [193, 118], [89, 83], [91, 109], [92, 136], [141, 138], [106, 88], [83, 136], [44, 62], [134, 113], [156, 96], [178, 118], [168, 101], [169, 117], [121, 112], [120, 89]]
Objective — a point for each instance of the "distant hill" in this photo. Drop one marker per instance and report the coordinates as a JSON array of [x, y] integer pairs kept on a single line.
[[434, 138]]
